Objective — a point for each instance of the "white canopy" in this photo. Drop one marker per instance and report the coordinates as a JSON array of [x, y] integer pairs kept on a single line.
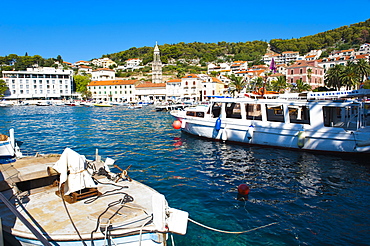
[[72, 169]]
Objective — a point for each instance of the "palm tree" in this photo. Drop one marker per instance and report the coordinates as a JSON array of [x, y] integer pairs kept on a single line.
[[257, 82], [300, 86], [237, 82], [349, 77], [362, 67], [279, 84], [309, 74], [333, 77]]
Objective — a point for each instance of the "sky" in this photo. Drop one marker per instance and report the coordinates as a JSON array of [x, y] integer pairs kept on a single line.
[[84, 30]]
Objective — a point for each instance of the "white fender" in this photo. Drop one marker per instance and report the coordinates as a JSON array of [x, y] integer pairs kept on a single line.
[[250, 132], [159, 205], [224, 135]]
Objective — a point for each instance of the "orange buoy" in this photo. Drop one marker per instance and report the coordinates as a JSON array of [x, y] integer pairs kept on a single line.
[[243, 189], [176, 124]]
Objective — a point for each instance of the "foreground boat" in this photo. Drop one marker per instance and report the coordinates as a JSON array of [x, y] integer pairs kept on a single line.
[[324, 125], [68, 200], [8, 145]]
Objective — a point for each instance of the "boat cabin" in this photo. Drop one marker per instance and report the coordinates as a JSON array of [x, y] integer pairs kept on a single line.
[[350, 115]]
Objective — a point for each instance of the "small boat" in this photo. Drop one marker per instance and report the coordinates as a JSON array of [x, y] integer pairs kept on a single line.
[[103, 104], [8, 145], [341, 124], [43, 104], [69, 200], [135, 106]]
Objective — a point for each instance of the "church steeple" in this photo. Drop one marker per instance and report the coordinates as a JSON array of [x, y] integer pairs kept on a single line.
[[156, 66]]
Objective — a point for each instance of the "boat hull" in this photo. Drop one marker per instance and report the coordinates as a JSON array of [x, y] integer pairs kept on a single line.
[[6, 149], [276, 135]]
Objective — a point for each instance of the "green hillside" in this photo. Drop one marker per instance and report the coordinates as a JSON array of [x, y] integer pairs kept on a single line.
[[344, 37]]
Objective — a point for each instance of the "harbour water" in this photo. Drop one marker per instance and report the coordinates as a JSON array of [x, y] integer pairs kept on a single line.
[[316, 199]]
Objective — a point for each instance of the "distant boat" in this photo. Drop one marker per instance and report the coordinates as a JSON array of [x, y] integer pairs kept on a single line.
[[102, 104], [69, 200], [43, 104], [135, 106]]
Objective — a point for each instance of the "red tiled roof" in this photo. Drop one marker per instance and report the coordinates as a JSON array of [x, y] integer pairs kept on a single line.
[[174, 80], [151, 85], [113, 82]]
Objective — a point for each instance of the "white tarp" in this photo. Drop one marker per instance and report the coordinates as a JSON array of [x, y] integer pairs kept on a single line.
[[72, 169]]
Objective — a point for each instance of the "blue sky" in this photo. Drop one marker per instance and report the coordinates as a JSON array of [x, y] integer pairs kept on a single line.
[[83, 30]]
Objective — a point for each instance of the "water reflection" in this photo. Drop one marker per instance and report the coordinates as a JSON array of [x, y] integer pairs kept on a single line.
[[308, 194]]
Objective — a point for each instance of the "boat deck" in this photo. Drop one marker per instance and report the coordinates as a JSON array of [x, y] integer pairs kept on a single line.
[[124, 207]]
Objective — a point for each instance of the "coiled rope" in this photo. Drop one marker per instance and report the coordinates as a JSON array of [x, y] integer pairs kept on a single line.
[[231, 232]]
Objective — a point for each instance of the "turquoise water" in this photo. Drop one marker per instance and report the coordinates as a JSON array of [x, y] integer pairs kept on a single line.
[[316, 199]]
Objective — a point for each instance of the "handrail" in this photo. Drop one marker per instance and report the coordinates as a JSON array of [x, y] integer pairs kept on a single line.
[[35, 232]]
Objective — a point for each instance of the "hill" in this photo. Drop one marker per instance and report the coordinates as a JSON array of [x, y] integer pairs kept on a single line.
[[344, 37]]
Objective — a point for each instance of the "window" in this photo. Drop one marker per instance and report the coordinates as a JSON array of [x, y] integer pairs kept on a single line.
[[253, 111], [233, 111], [275, 113], [299, 114], [216, 109]]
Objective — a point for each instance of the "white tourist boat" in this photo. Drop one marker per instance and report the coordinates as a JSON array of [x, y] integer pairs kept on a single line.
[[8, 145], [339, 125], [68, 200]]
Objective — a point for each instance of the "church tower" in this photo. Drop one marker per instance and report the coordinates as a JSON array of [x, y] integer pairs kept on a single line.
[[156, 66]]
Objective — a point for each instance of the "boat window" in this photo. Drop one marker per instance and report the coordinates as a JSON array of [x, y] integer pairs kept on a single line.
[[195, 114], [275, 113], [253, 111], [344, 117], [216, 109], [299, 114], [233, 111]]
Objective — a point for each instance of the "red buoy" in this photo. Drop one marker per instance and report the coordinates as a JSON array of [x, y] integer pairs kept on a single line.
[[176, 124], [243, 189]]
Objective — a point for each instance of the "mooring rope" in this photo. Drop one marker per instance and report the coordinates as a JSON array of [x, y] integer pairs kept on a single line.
[[231, 232]]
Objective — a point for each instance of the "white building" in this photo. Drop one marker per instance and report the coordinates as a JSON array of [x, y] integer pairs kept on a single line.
[[113, 90], [151, 92], [174, 89], [103, 74], [103, 62], [39, 83]]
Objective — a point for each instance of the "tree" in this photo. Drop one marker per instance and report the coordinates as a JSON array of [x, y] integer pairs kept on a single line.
[[237, 82], [280, 84], [362, 68], [349, 77], [333, 77], [300, 86], [309, 74], [3, 88], [81, 83]]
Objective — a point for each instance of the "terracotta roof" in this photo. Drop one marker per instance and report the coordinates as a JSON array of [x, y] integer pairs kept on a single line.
[[174, 80], [104, 69], [190, 76], [151, 85], [286, 52], [67, 62], [113, 82], [83, 66]]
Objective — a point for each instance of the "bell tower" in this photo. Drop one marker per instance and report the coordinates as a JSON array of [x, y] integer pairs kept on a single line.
[[156, 66]]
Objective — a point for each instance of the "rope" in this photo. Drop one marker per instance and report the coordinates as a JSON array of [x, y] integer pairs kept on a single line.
[[69, 215], [231, 232]]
